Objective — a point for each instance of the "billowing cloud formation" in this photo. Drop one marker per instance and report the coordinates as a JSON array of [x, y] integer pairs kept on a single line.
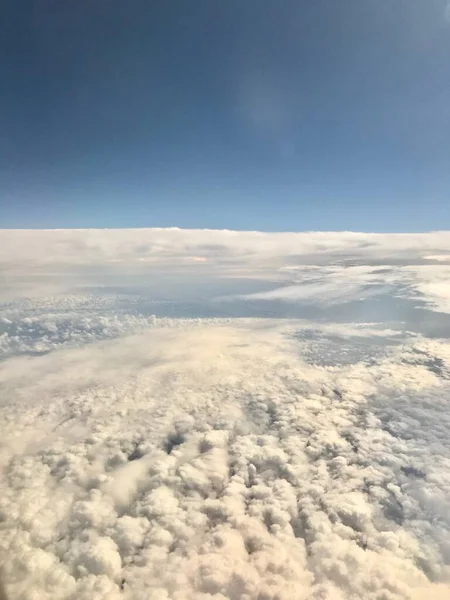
[[159, 457], [79, 246], [300, 265]]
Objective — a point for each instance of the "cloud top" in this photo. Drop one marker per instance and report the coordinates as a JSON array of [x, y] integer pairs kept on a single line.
[[212, 456]]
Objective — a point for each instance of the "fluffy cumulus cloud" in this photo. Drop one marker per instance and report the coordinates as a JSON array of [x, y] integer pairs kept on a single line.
[[164, 436]]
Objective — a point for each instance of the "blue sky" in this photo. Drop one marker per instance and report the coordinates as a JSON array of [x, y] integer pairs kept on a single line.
[[272, 115]]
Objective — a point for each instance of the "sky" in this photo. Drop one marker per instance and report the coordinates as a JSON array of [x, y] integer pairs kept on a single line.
[[264, 115]]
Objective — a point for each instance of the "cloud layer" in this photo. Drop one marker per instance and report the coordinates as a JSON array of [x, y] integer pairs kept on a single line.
[[156, 457], [299, 265]]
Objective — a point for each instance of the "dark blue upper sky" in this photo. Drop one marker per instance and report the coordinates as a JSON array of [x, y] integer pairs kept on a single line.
[[245, 114]]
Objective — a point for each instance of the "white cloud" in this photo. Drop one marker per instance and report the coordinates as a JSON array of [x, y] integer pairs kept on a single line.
[[211, 459], [75, 247], [45, 263], [330, 285], [227, 458], [433, 284]]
